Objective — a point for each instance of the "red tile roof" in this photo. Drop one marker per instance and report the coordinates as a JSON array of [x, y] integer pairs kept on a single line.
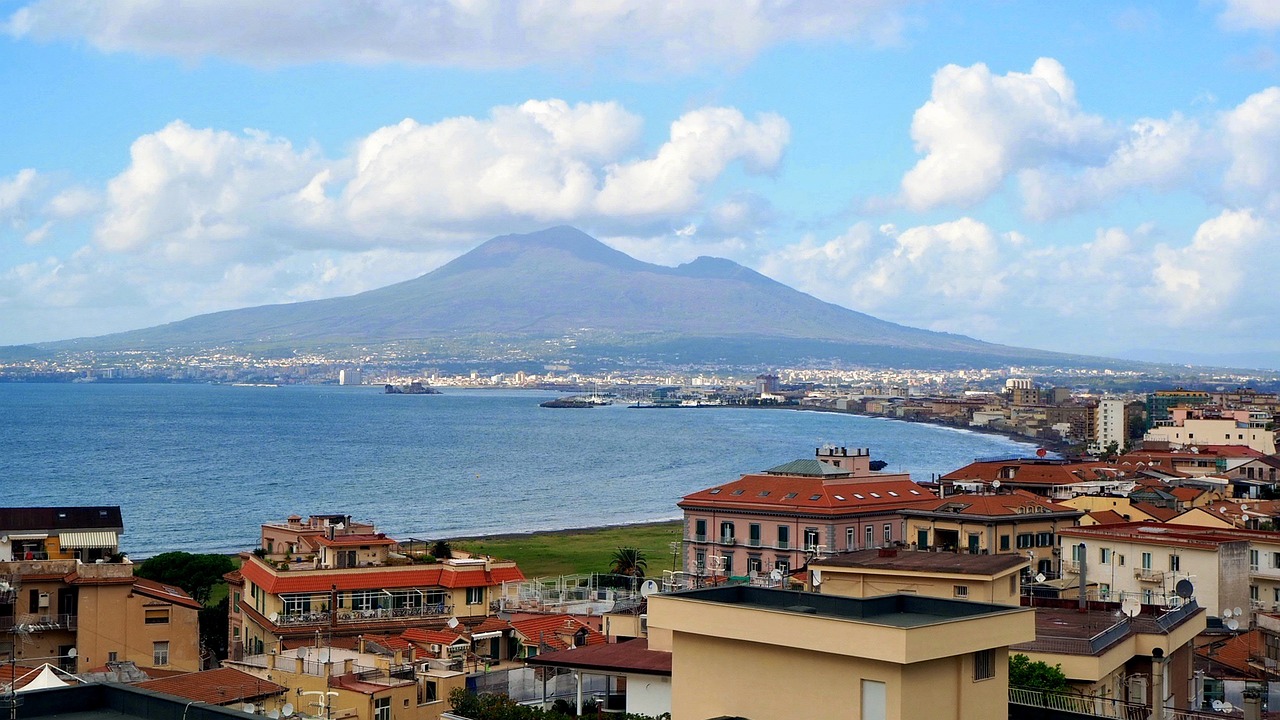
[[348, 540], [555, 631], [168, 593], [1034, 472], [1173, 535], [390, 642], [1156, 511], [434, 575], [1234, 653], [810, 495], [220, 686], [1186, 494], [424, 636], [1018, 502], [1107, 517]]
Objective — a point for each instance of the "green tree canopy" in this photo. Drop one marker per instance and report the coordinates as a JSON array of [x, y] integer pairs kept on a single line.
[[195, 573], [1023, 673], [628, 561]]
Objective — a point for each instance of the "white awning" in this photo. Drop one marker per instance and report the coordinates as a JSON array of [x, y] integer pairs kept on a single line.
[[28, 536], [92, 539], [486, 635]]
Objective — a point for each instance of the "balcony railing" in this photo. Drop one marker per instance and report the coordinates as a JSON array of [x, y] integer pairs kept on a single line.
[[783, 545], [39, 623], [359, 616], [700, 537], [1148, 575], [728, 540], [753, 542], [1071, 566]]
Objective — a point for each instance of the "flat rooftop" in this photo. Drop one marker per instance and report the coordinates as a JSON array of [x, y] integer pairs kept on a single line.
[[899, 611], [921, 561], [100, 701]]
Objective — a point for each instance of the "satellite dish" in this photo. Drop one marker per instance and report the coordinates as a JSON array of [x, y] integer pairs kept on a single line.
[[648, 588], [1233, 624], [1041, 452], [1227, 707], [817, 577], [72, 653], [1217, 705], [1131, 606], [250, 708], [775, 575], [995, 484], [1040, 577], [287, 709], [1184, 588], [1237, 612], [453, 623], [1243, 507], [274, 617], [1226, 613], [274, 715]]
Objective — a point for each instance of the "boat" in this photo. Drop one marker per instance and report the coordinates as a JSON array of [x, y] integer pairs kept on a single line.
[[413, 388], [569, 402]]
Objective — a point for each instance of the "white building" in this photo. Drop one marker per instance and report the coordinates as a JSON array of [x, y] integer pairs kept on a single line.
[[1111, 423], [349, 377]]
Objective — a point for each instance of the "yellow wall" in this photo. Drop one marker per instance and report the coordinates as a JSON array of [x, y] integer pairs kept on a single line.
[[866, 582]]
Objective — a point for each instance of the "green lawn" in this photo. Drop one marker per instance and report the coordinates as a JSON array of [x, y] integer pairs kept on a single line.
[[580, 551]]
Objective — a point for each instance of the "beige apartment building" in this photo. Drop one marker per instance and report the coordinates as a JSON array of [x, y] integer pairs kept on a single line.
[[885, 658], [104, 613]]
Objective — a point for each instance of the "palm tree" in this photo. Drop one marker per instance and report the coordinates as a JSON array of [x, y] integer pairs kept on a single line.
[[628, 561]]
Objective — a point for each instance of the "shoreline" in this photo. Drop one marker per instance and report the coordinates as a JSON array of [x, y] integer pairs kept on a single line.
[[587, 530]]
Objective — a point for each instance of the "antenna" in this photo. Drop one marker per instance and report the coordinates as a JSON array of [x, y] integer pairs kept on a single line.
[[775, 575], [1040, 577], [995, 484]]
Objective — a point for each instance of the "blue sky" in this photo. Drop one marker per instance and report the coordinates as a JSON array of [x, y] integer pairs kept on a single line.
[[1087, 177]]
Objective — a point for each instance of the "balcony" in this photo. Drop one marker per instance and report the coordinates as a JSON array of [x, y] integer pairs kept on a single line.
[[753, 542], [783, 545], [1148, 575], [362, 616], [728, 540], [1071, 566], [39, 623], [700, 537]]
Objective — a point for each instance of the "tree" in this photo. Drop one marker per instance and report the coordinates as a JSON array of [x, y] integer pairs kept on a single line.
[[442, 550], [1028, 675], [195, 573], [213, 630], [628, 561]]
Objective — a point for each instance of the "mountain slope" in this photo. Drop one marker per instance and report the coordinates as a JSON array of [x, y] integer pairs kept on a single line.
[[561, 282]]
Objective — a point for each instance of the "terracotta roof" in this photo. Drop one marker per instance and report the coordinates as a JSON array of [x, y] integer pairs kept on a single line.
[[1185, 493], [555, 631], [491, 624], [1033, 472], [434, 575], [790, 493], [1018, 502], [630, 656], [168, 593], [1174, 535], [391, 643], [23, 519], [23, 673], [220, 686], [1233, 653], [433, 637], [921, 561], [1107, 517]]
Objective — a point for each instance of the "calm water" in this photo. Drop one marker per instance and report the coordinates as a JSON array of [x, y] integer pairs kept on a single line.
[[200, 467]]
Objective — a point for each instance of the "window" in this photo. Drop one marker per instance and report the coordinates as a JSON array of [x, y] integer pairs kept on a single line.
[[114, 656], [1175, 563], [1026, 540], [362, 600], [237, 602], [726, 532], [1253, 559], [156, 617], [1044, 539], [700, 530], [984, 665], [810, 537], [728, 563], [874, 705], [428, 692], [160, 653], [870, 536], [1004, 542], [382, 709], [475, 596], [1275, 559], [960, 591], [784, 537], [700, 561], [850, 538], [1104, 556], [783, 565], [1146, 561], [1104, 591], [753, 534], [888, 534], [754, 565], [1253, 593]]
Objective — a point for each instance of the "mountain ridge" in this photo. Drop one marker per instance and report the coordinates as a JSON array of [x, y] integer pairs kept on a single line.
[[561, 283]]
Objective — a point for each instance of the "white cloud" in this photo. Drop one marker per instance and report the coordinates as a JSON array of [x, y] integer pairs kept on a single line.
[[1212, 280], [978, 128], [1161, 154], [1252, 138], [73, 202], [15, 193], [1250, 15], [459, 33]]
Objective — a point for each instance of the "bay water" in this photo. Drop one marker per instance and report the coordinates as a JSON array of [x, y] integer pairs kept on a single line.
[[201, 467]]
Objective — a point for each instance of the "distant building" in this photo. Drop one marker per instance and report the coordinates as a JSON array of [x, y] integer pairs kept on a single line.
[[767, 384], [869, 573], [778, 518], [350, 376], [1112, 424], [1159, 403]]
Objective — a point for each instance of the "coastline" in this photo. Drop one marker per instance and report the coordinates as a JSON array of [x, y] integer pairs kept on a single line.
[[569, 531]]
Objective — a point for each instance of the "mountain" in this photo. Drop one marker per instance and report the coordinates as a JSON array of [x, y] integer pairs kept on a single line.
[[563, 287]]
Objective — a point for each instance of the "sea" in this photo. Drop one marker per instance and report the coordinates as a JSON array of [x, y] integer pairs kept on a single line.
[[200, 467]]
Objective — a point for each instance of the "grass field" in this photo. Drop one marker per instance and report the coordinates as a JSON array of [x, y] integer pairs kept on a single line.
[[567, 552]]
